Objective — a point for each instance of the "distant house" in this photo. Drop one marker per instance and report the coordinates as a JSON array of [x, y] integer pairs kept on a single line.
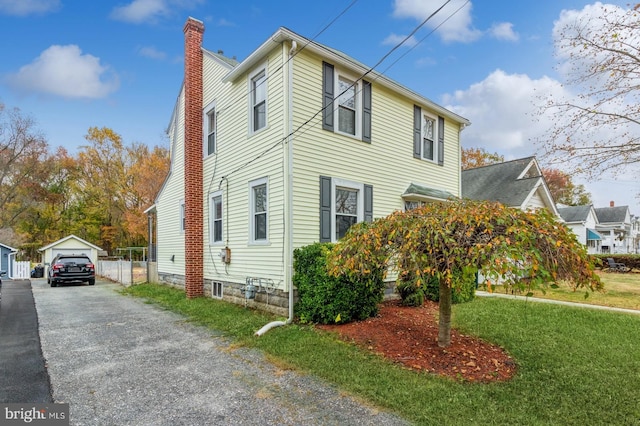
[[290, 146], [517, 183], [614, 224], [6, 261], [69, 245], [583, 221]]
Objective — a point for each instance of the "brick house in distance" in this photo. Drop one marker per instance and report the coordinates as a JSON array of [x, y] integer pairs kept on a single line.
[[288, 147]]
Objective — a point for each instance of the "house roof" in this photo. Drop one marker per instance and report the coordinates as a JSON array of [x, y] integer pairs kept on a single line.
[[55, 243], [284, 34], [575, 213], [616, 214], [6, 246], [503, 182]]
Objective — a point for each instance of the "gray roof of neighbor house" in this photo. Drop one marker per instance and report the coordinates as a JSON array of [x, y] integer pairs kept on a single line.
[[499, 182], [575, 213], [612, 214]]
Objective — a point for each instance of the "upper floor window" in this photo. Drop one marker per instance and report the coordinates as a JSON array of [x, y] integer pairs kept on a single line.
[[428, 136], [258, 99], [347, 106], [347, 100], [216, 217], [259, 210], [210, 130]]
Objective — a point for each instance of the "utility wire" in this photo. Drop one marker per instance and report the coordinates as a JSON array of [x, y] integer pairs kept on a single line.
[[285, 138]]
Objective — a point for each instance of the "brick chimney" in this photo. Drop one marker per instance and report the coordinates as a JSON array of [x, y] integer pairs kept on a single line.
[[611, 204], [193, 186]]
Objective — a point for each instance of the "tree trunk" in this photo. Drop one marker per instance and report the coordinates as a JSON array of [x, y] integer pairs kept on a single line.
[[444, 324]]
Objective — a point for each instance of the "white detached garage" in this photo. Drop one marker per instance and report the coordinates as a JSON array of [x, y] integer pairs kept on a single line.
[[69, 245]]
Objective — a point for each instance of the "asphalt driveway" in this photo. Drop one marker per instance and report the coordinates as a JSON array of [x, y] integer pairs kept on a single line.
[[119, 361]]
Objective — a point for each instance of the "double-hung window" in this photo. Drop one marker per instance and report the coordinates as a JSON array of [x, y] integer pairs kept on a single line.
[[347, 207], [343, 203], [346, 104], [258, 192], [258, 100], [209, 127], [428, 136], [216, 217]]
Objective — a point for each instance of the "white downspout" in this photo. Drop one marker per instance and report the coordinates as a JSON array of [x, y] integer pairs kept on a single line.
[[288, 273]]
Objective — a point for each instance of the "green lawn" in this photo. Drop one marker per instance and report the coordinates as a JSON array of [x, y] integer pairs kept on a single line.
[[622, 290], [575, 366]]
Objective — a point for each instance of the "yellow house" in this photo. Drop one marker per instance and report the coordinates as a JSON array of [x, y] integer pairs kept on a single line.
[[288, 147]]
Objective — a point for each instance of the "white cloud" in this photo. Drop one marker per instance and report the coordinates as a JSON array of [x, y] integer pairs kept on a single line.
[[28, 7], [503, 110], [394, 39], [152, 53], [455, 17], [139, 11], [64, 71], [504, 31]]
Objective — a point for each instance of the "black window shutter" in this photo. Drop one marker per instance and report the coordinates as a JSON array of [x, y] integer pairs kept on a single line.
[[327, 96], [368, 203], [440, 140], [417, 131], [325, 209], [366, 111]]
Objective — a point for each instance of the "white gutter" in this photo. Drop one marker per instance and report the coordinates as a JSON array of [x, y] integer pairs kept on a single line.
[[288, 243]]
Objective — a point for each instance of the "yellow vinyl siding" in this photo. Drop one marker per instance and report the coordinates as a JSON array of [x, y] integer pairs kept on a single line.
[[387, 162], [237, 146]]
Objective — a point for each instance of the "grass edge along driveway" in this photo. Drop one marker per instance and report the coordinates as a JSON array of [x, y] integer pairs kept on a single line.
[[575, 365]]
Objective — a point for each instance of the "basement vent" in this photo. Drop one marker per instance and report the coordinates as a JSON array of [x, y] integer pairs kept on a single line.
[[216, 289]]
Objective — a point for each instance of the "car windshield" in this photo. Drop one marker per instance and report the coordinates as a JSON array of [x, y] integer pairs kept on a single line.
[[74, 260]]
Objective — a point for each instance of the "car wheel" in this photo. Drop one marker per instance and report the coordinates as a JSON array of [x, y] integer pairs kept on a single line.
[[92, 281], [54, 284]]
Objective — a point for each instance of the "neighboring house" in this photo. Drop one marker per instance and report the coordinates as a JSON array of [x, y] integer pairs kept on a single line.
[[68, 245], [614, 224], [6, 258], [635, 233], [582, 220], [291, 146], [517, 183]]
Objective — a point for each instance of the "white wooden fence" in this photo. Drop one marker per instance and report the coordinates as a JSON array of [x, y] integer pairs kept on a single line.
[[20, 270]]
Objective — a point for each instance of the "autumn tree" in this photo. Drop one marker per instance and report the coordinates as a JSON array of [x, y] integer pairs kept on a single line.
[[478, 157], [599, 128], [523, 248], [563, 190], [23, 165]]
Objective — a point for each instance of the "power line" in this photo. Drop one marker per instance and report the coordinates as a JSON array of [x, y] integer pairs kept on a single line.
[[285, 138]]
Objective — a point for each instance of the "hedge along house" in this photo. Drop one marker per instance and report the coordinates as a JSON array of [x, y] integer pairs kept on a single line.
[[290, 146]]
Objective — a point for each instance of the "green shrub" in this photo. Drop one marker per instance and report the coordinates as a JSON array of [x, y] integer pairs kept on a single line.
[[463, 289], [325, 299]]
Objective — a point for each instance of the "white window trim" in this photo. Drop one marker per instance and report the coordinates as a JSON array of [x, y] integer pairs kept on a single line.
[[182, 215], [205, 130], [252, 75], [343, 183], [435, 136], [252, 239], [336, 103], [212, 196]]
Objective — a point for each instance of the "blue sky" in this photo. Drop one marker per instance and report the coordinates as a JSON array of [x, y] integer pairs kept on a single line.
[[73, 64]]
